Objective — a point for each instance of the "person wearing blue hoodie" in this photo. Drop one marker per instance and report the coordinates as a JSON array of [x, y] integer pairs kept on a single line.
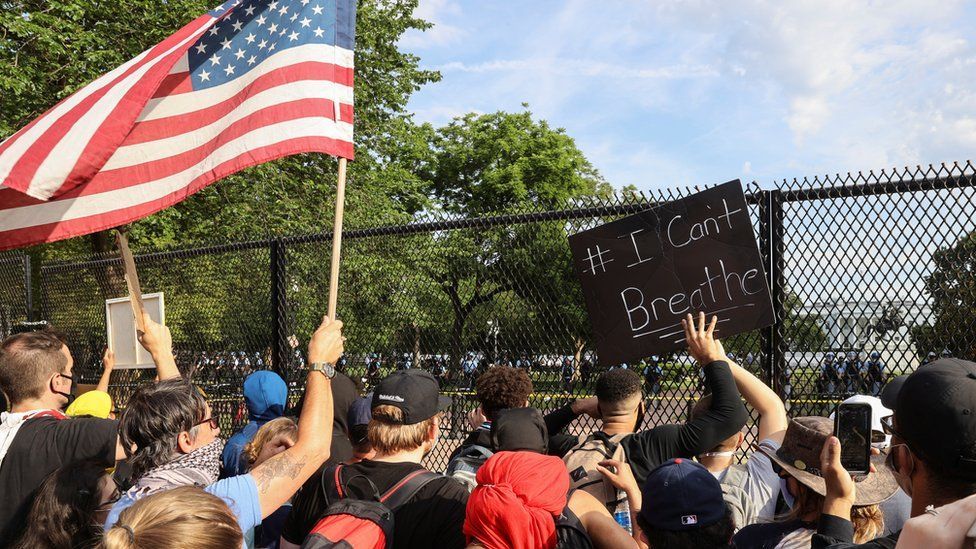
[[266, 396]]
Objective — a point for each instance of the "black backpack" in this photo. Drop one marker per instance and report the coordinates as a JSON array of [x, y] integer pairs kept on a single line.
[[570, 533], [350, 523]]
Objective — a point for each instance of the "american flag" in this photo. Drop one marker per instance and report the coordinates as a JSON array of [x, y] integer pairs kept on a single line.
[[248, 82]]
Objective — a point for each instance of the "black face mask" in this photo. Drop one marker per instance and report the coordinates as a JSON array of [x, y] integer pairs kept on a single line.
[[70, 396]]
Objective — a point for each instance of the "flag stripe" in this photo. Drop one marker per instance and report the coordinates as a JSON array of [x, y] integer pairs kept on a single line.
[[268, 85], [174, 105], [14, 147], [133, 195], [112, 217], [155, 164], [189, 138], [88, 127]]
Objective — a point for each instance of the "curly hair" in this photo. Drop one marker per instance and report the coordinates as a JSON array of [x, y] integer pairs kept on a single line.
[[617, 385], [502, 387]]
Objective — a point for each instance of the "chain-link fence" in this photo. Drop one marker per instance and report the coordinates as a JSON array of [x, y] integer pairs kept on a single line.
[[858, 264]]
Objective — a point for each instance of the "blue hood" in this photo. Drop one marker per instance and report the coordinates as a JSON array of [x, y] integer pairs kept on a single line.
[[265, 394]]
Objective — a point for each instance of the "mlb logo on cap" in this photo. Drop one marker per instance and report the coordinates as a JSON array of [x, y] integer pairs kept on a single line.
[[682, 495]]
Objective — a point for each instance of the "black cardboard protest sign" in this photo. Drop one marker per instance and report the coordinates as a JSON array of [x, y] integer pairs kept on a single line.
[[641, 274]]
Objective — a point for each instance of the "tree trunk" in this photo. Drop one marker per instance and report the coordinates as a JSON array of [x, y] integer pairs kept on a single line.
[[110, 277], [580, 345], [416, 345]]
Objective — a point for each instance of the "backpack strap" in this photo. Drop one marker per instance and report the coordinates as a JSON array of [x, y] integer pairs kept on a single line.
[[407, 488]]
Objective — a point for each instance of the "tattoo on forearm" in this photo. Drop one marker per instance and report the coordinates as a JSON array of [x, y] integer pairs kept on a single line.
[[280, 466]]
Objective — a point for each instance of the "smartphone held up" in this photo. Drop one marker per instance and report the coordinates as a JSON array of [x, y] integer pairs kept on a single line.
[[852, 426]]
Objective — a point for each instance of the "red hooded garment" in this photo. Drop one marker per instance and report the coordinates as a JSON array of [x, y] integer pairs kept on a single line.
[[519, 494]]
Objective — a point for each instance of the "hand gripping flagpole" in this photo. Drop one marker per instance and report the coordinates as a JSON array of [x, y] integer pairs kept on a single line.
[[337, 239]]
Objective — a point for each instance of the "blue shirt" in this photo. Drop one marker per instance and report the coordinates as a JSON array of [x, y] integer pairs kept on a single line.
[[239, 493]]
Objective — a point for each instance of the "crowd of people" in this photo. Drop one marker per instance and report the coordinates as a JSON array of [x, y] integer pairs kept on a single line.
[[346, 470]]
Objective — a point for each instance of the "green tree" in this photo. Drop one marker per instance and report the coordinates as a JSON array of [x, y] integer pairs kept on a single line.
[[50, 49], [516, 276], [952, 290]]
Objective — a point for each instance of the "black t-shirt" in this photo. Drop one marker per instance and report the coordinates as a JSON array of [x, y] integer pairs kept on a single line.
[[646, 450], [768, 535], [434, 517], [41, 446]]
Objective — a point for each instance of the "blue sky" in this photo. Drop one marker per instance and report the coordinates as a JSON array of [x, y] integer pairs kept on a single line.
[[666, 93]]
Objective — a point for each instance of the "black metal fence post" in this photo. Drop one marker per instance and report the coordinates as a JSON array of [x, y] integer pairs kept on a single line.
[[777, 343], [28, 289], [280, 349]]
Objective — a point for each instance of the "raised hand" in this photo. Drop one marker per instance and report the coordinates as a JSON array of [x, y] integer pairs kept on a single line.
[[702, 344]]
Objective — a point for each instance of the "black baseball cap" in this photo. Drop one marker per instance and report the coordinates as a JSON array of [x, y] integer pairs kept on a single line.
[[935, 412], [682, 495], [516, 429], [414, 392]]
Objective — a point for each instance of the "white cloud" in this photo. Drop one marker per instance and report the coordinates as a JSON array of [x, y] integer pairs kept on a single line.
[[442, 33], [581, 67]]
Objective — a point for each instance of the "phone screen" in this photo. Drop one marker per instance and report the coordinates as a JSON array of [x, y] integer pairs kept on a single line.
[[853, 429]]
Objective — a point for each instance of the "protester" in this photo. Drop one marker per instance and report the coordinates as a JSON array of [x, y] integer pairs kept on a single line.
[[36, 438], [174, 440], [181, 518], [359, 416], [681, 506], [265, 395], [797, 461], [751, 488], [405, 426], [621, 408], [503, 387], [69, 508], [584, 521], [97, 402], [898, 507], [932, 453], [273, 438]]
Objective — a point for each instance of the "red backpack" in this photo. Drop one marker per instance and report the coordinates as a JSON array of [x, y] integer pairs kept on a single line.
[[350, 523]]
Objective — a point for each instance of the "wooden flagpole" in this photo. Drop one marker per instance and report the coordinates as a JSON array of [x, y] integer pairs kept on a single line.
[[337, 239], [131, 280]]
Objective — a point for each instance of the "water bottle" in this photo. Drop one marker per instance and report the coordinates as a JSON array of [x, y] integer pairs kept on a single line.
[[622, 513]]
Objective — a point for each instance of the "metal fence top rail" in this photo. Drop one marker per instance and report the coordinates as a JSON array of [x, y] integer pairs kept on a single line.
[[827, 187]]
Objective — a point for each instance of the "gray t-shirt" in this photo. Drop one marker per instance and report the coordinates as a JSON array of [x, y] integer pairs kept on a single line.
[[896, 510], [751, 488]]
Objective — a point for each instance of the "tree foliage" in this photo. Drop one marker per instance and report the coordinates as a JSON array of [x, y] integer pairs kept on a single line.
[[952, 290]]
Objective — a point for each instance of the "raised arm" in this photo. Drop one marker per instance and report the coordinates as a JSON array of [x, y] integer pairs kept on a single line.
[[108, 362], [727, 415], [158, 341], [281, 476], [766, 403]]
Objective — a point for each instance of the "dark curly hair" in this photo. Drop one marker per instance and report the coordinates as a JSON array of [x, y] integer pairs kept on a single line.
[[502, 387], [617, 385], [63, 512]]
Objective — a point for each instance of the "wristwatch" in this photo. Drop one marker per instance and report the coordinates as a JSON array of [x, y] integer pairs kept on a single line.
[[327, 368]]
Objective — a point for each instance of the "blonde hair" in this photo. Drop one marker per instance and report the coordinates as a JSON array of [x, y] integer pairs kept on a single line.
[[868, 520], [267, 432], [389, 435], [181, 518]]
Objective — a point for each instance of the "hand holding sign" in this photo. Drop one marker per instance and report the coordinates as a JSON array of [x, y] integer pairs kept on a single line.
[[643, 273], [157, 340]]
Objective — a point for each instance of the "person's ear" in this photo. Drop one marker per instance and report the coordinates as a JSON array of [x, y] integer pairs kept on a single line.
[[526, 405], [184, 442], [742, 438]]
